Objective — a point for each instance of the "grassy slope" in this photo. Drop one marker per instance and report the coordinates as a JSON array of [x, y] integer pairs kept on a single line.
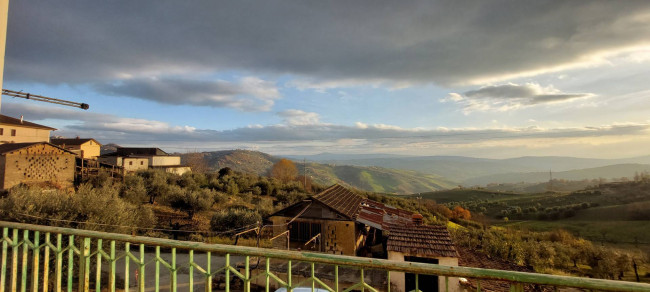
[[375, 179], [608, 222]]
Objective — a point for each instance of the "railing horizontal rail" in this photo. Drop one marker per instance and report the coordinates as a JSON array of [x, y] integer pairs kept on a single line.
[[350, 261]]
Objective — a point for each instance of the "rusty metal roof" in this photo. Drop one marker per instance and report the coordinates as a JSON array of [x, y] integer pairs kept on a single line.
[[341, 200], [381, 216], [429, 240]]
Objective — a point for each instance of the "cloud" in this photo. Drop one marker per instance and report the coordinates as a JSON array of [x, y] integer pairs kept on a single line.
[[299, 117], [303, 128], [444, 42], [247, 94], [511, 96]]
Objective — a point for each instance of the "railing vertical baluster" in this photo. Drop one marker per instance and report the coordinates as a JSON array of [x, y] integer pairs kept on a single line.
[[247, 281], [174, 281], [70, 261], [58, 277], [363, 280], [14, 262], [84, 266], [208, 270], [36, 257], [5, 236], [46, 262], [446, 284], [111, 275], [267, 271], [336, 279], [313, 280], [417, 282], [23, 276], [387, 281], [141, 275], [478, 285], [127, 248], [157, 284], [227, 276], [191, 270], [289, 285], [98, 270]]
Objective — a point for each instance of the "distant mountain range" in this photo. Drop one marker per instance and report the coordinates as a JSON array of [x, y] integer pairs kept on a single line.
[[471, 171], [375, 179]]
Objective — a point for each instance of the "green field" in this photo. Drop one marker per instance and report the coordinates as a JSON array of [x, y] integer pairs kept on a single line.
[[603, 231]]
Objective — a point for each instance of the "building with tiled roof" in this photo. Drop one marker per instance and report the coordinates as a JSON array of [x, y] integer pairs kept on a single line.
[[339, 221], [13, 130], [87, 148]]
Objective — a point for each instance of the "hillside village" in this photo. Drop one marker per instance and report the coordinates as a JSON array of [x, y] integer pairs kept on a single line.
[[457, 141], [30, 156]]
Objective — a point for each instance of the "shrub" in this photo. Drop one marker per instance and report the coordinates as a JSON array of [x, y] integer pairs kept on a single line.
[[225, 220], [86, 209]]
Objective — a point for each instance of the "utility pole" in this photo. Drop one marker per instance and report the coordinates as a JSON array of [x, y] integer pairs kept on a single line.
[[4, 15], [304, 170]]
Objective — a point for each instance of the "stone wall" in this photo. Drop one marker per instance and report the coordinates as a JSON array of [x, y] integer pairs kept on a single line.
[[37, 164]]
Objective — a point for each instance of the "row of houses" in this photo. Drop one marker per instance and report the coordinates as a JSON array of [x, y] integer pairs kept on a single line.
[[29, 156]]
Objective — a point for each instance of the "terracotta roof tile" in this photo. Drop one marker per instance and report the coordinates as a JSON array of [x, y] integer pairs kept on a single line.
[[342, 200], [7, 120], [432, 240]]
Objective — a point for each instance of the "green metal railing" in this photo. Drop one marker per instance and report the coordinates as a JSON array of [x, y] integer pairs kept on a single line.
[[65, 258]]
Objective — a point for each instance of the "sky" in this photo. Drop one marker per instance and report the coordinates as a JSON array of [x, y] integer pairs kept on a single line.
[[492, 79]]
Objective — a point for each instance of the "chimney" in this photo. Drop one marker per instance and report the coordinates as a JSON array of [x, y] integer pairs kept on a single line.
[[417, 219], [21, 119]]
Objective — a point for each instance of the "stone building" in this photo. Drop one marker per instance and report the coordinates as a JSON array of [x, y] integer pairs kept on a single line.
[[86, 148], [14, 130], [338, 221], [36, 163]]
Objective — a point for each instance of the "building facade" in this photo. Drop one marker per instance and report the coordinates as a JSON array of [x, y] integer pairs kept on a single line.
[[86, 148], [36, 163], [14, 130], [137, 158]]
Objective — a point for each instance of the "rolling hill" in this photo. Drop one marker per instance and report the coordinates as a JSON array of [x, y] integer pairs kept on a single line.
[[375, 179]]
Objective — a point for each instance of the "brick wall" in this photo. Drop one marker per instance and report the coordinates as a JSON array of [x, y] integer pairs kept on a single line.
[[37, 164]]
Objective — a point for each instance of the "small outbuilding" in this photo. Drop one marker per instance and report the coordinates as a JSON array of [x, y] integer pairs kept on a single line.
[[36, 163], [86, 148]]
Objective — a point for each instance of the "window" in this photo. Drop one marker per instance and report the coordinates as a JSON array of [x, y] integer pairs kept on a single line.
[[130, 162], [2, 131], [141, 162], [303, 231], [13, 132]]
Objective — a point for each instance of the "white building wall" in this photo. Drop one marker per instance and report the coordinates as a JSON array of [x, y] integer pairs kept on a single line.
[[398, 280], [164, 160]]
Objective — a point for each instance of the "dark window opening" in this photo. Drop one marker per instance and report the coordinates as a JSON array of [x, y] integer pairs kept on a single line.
[[303, 231], [130, 162], [2, 131], [427, 283], [13, 132]]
